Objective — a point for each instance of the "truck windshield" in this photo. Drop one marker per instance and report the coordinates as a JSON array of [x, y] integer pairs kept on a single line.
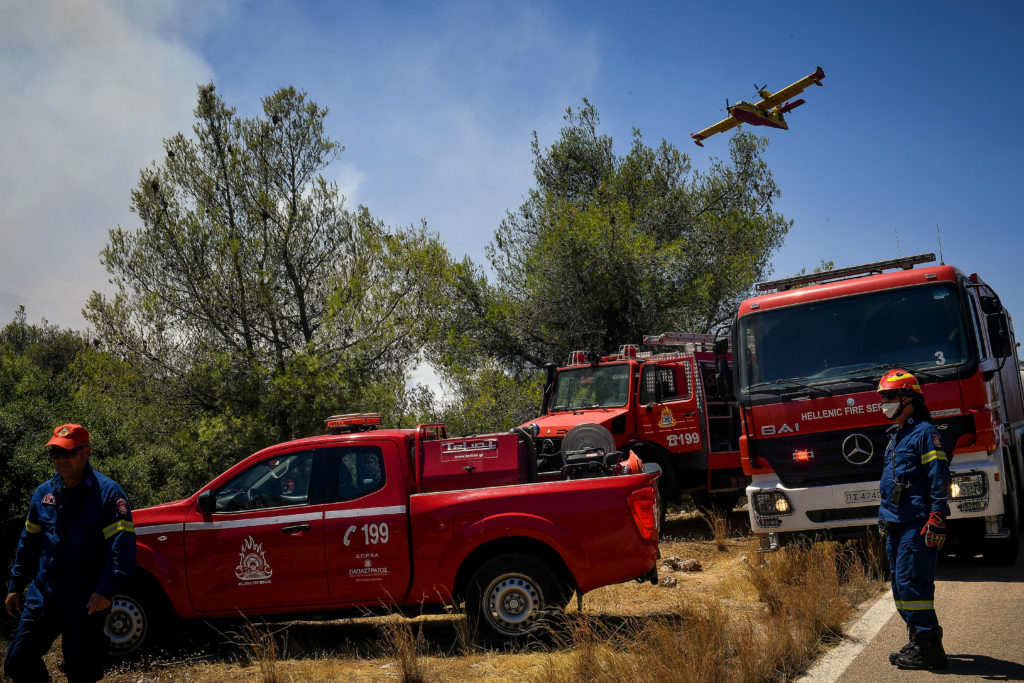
[[917, 327], [599, 386]]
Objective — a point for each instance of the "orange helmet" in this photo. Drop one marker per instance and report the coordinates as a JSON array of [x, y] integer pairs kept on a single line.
[[901, 381]]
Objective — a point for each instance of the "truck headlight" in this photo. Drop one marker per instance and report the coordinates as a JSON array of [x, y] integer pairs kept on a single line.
[[771, 502], [969, 485]]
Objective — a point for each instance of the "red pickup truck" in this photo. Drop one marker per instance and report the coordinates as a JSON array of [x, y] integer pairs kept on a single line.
[[364, 517]]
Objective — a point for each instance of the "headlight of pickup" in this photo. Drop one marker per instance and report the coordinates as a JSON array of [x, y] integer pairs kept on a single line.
[[969, 485], [770, 503]]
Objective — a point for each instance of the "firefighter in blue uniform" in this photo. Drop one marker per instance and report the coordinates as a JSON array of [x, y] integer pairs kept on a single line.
[[912, 516], [77, 550]]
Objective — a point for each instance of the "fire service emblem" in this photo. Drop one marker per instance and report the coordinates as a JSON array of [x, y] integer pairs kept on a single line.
[[252, 564]]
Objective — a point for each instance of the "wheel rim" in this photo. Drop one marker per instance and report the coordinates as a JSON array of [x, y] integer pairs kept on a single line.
[[126, 624], [514, 603]]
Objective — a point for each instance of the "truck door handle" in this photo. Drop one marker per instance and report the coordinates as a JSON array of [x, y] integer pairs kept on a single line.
[[689, 414], [295, 528]]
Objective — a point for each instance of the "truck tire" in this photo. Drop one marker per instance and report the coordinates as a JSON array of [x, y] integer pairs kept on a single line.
[[138, 619], [514, 598], [1004, 550]]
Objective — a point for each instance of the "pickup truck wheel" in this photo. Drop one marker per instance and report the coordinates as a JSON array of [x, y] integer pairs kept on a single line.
[[514, 597], [136, 620]]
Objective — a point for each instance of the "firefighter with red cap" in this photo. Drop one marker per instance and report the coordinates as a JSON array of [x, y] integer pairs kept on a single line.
[[76, 551], [912, 516]]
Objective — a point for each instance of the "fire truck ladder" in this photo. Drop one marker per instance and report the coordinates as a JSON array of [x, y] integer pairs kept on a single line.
[[680, 339], [906, 263]]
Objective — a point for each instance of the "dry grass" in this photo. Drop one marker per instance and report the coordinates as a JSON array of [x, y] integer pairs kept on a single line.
[[743, 617]]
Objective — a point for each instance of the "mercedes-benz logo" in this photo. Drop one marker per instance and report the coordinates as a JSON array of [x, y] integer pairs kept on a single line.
[[858, 449]]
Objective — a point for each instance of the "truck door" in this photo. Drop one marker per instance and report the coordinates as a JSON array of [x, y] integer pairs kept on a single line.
[[262, 547], [668, 406], [366, 524]]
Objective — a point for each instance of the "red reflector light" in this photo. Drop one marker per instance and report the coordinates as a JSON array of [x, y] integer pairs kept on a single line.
[[642, 503], [577, 357], [803, 455]]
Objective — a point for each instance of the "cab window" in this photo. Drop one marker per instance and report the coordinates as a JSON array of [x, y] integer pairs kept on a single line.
[[278, 481], [354, 472], [674, 381]]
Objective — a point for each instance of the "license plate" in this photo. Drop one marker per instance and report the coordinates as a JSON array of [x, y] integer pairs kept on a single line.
[[867, 496]]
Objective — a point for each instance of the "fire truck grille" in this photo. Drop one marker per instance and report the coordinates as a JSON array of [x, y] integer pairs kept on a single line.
[[825, 464], [821, 516]]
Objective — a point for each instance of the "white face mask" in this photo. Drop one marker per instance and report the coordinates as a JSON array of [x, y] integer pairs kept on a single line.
[[891, 408]]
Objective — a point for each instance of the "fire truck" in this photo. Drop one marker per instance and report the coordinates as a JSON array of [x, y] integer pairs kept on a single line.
[[673, 406], [808, 355]]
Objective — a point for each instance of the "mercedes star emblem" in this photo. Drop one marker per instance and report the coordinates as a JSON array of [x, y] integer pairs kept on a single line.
[[857, 449]]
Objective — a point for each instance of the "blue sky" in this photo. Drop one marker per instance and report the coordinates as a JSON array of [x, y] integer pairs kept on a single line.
[[917, 125]]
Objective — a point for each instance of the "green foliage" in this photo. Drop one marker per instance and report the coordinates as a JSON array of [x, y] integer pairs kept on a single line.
[[250, 298], [608, 248], [490, 399]]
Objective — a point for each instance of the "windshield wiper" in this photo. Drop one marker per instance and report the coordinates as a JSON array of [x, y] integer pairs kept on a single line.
[[865, 373], [777, 388]]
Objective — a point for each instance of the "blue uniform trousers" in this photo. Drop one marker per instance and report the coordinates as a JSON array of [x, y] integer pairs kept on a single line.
[[912, 575], [84, 644]]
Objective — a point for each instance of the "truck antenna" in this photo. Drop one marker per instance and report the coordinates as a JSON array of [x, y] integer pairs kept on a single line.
[[899, 249], [938, 234]]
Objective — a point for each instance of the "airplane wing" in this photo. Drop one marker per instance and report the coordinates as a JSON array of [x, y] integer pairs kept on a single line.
[[791, 90], [720, 127]]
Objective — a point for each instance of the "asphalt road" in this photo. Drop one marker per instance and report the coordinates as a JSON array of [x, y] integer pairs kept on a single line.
[[981, 610]]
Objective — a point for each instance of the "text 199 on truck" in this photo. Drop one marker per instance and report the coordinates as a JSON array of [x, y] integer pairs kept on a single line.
[[807, 360]]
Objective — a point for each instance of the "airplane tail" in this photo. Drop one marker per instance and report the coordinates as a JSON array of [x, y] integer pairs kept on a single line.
[[697, 139], [818, 75]]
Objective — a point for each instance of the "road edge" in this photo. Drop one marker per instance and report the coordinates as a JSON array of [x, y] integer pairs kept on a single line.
[[832, 665]]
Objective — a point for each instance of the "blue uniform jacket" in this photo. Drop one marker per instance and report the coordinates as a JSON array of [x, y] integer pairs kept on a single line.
[[919, 459], [76, 542]]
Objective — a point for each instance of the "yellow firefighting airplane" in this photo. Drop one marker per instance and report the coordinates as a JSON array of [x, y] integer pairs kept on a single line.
[[768, 112]]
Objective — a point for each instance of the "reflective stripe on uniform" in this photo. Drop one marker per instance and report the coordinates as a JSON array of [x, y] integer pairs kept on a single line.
[[914, 605], [117, 527], [932, 455], [32, 528]]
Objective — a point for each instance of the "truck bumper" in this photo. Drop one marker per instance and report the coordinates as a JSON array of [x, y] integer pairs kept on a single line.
[[845, 510]]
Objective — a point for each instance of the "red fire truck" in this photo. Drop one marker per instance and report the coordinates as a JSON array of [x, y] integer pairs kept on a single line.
[[808, 357], [672, 408], [364, 519]]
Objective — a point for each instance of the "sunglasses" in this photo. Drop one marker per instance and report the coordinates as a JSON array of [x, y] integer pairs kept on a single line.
[[64, 454]]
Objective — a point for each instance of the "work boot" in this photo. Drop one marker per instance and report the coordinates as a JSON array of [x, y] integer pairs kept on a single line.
[[906, 648], [927, 652]]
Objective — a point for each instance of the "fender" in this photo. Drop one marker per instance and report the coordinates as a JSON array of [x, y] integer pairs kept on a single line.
[[505, 526], [167, 574]]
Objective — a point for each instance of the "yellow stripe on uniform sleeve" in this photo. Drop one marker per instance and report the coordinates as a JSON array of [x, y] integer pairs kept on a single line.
[[932, 455], [914, 605], [32, 528], [117, 527]]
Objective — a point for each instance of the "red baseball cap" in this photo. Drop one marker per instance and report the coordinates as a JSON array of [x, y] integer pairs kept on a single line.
[[69, 437]]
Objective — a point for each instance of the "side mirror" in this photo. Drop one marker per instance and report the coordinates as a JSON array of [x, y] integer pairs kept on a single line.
[[991, 305], [207, 503], [999, 335]]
